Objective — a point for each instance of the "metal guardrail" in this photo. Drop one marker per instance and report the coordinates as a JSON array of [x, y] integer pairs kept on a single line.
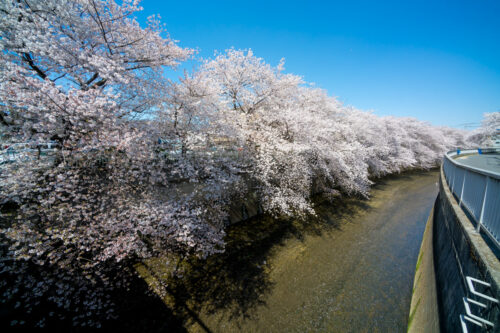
[[478, 192]]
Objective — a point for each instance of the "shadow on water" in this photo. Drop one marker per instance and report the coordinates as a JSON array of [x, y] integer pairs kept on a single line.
[[236, 281], [231, 286], [137, 309], [384, 181]]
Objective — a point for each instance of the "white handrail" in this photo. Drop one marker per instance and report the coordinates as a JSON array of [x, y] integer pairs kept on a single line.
[[478, 192]]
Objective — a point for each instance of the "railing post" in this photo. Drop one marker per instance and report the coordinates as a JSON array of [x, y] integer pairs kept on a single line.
[[482, 206], [453, 175], [463, 185]]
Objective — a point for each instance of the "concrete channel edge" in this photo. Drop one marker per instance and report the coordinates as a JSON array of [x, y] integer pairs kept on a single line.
[[424, 314]]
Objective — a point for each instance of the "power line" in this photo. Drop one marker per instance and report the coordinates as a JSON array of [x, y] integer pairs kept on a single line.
[[469, 125]]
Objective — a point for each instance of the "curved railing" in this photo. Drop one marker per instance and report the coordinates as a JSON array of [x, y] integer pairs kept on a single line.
[[477, 191]]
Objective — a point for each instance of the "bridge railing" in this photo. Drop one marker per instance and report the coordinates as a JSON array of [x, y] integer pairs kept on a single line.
[[478, 192]]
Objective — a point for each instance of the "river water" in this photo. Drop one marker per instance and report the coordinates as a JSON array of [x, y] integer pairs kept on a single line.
[[350, 271]]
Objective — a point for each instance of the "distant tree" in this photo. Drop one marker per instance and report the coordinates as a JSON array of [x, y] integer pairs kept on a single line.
[[483, 135]]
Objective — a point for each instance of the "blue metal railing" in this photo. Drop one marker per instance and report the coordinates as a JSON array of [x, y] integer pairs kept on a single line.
[[477, 191]]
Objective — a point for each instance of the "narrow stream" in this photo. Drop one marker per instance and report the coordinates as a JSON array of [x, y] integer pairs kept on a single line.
[[351, 273]]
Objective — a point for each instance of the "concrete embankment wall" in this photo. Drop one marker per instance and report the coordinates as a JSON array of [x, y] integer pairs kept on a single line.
[[241, 210], [458, 251], [424, 315]]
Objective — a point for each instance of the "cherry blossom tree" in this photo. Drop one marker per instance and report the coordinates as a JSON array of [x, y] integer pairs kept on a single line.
[[483, 136], [295, 139], [78, 72]]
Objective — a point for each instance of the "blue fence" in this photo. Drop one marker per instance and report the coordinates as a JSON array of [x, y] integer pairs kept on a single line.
[[477, 191]]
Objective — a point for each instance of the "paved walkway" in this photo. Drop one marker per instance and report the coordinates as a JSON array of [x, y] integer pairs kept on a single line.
[[489, 162]]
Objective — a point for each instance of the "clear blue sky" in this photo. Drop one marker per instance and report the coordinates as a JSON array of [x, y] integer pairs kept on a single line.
[[438, 61]]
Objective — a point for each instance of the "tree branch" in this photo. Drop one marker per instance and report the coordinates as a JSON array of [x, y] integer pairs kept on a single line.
[[89, 81], [27, 57]]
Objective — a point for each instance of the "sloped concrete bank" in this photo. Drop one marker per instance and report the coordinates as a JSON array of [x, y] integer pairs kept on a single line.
[[424, 315], [457, 251]]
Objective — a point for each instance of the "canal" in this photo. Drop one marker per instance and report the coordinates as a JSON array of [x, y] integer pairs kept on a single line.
[[350, 269]]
